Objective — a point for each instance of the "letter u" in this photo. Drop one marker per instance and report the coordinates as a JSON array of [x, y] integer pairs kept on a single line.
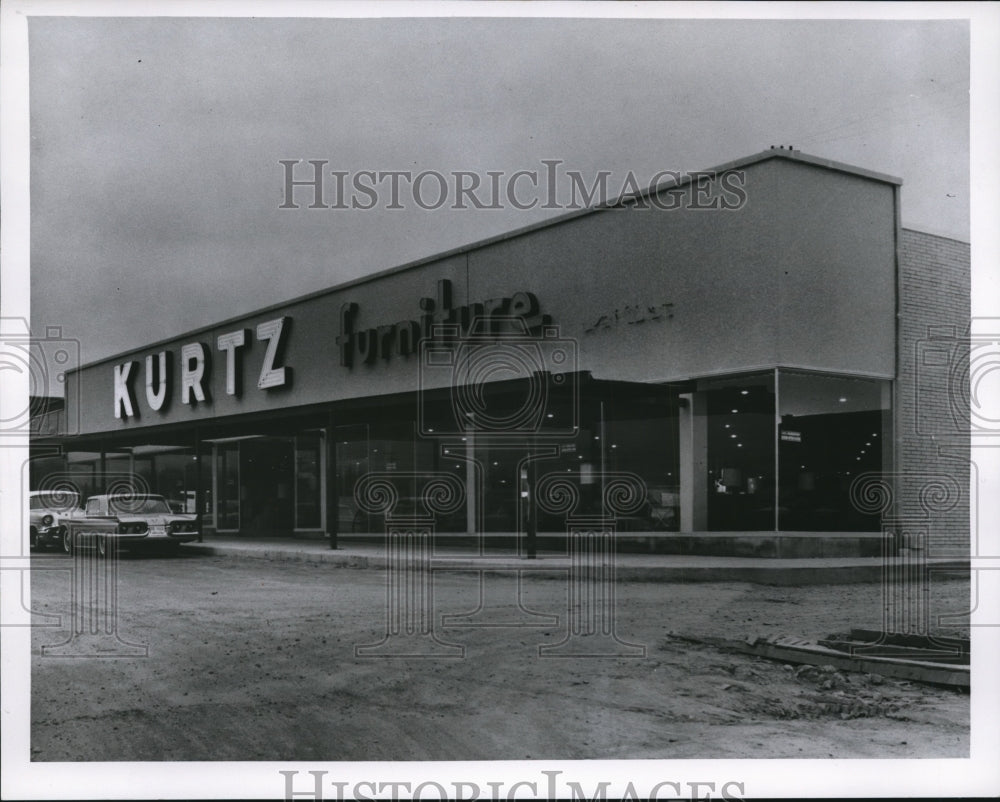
[[157, 380]]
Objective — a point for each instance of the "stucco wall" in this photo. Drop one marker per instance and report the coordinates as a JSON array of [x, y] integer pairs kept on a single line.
[[801, 275]]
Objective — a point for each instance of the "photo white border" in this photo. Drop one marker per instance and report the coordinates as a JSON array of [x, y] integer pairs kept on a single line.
[[980, 775]]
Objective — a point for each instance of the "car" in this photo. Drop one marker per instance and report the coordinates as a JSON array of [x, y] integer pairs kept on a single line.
[[46, 509], [128, 520]]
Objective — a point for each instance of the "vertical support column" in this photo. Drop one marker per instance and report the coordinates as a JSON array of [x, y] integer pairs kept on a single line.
[[531, 528], [332, 485], [693, 446], [591, 592], [199, 492], [887, 434], [775, 429], [470, 482]]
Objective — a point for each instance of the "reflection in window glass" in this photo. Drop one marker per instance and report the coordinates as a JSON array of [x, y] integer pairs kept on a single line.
[[228, 489], [832, 428], [308, 480], [740, 438]]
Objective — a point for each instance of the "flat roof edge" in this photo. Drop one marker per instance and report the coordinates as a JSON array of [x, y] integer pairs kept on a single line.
[[925, 233]]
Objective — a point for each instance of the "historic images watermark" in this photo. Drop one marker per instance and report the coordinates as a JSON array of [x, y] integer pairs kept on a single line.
[[90, 620], [44, 355], [506, 383], [954, 415], [546, 784], [957, 417], [310, 184]]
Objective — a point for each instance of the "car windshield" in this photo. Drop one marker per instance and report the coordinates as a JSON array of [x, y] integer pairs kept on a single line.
[[139, 506], [54, 501]]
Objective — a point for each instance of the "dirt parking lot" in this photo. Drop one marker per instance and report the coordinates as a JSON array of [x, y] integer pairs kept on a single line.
[[255, 660]]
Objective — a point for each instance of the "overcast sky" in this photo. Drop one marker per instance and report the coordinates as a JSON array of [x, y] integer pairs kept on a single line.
[[156, 142]]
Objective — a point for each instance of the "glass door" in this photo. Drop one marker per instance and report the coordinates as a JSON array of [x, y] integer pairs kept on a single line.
[[226, 486], [310, 481]]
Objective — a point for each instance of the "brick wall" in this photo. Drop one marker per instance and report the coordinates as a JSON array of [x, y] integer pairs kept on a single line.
[[931, 404]]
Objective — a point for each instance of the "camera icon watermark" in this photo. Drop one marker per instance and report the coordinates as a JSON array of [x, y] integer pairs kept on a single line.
[[409, 551], [90, 610], [44, 359], [503, 380], [959, 373], [957, 409]]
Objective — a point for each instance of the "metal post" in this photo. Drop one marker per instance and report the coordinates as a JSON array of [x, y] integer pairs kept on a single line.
[[531, 535], [332, 487], [199, 492]]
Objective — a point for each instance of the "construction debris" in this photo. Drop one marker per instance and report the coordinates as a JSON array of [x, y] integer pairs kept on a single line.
[[939, 661]]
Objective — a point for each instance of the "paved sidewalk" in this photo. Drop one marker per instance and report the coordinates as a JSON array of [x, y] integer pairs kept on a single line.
[[552, 565]]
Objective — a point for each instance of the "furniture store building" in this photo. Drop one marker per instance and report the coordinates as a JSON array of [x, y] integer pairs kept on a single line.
[[748, 364]]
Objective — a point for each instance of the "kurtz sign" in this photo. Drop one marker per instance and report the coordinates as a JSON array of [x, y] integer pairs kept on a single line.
[[439, 320], [194, 370]]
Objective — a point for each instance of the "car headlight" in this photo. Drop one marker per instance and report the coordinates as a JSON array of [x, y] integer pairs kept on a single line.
[[47, 520]]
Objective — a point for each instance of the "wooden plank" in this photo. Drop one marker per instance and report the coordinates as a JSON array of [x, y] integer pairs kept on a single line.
[[940, 642], [864, 649], [921, 671]]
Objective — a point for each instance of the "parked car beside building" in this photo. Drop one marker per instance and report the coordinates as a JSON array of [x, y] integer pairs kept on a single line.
[[128, 520], [46, 510]]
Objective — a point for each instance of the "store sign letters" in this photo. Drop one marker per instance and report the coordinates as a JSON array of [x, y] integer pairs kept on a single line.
[[439, 320], [631, 315], [152, 380], [194, 370]]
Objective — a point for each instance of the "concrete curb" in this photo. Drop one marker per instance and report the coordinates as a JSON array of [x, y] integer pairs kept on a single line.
[[708, 569]]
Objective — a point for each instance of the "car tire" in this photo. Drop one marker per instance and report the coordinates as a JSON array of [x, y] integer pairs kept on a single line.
[[67, 540]]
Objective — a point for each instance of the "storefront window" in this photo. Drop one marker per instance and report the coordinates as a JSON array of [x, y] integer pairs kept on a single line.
[[352, 463], [83, 468], [309, 480], [740, 452], [204, 469], [227, 486], [119, 473], [641, 437], [832, 428], [266, 485], [170, 471]]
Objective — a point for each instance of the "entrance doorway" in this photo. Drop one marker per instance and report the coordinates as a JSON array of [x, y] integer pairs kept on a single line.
[[267, 491]]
